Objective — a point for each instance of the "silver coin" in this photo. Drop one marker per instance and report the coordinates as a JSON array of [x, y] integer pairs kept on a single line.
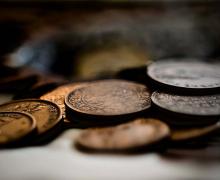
[[186, 73], [208, 105]]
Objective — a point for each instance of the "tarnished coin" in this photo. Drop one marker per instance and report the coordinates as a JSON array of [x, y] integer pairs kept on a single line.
[[187, 74], [135, 134], [192, 133], [15, 126], [57, 96], [109, 98], [46, 113], [207, 106]]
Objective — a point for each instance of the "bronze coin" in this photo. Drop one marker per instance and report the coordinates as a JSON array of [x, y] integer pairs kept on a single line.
[[46, 113], [208, 105], [109, 98], [14, 126], [57, 95], [185, 74], [135, 134], [192, 133]]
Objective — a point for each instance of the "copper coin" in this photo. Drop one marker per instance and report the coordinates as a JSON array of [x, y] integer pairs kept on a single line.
[[191, 133], [109, 98], [186, 74], [14, 126], [46, 113], [57, 95], [138, 133], [208, 105]]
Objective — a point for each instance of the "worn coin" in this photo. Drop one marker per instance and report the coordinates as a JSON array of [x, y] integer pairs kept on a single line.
[[135, 134], [46, 113], [15, 126], [109, 98], [187, 74]]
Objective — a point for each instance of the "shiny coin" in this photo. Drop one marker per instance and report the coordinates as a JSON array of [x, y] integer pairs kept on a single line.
[[46, 114], [15, 126], [135, 134], [109, 98], [196, 106], [192, 133], [186, 74]]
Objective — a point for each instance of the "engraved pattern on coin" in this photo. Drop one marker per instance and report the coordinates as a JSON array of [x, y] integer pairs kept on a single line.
[[138, 133], [15, 125], [110, 97], [186, 74], [47, 114], [208, 105]]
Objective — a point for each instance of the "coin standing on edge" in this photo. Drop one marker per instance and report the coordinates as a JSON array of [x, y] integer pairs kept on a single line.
[[198, 107], [185, 75], [109, 98], [139, 133], [46, 113], [14, 126]]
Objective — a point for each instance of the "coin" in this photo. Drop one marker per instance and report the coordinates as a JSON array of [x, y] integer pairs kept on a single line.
[[109, 98], [15, 126], [57, 95], [191, 133], [207, 106], [187, 74], [135, 134], [46, 113]]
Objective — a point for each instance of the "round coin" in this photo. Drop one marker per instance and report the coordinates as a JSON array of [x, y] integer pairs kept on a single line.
[[46, 113], [207, 106], [109, 98], [186, 75], [15, 126], [135, 134]]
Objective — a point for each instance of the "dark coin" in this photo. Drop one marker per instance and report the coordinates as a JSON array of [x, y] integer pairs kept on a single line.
[[46, 114], [135, 134], [15, 126], [192, 133], [198, 107], [109, 98], [185, 75]]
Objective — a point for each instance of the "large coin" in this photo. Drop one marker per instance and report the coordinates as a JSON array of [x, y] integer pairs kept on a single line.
[[196, 106], [14, 126], [187, 74], [135, 134], [46, 114], [109, 98]]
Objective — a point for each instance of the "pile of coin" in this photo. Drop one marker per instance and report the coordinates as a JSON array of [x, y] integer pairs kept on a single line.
[[180, 102]]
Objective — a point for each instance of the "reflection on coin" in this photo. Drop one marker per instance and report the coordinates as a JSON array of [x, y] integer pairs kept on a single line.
[[185, 73], [109, 97], [46, 114], [14, 126], [138, 133], [57, 96], [208, 105], [186, 134]]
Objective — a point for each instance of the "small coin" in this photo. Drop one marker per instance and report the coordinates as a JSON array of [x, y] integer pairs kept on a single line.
[[109, 98], [192, 133], [135, 134], [187, 74], [57, 96], [46, 113], [14, 126]]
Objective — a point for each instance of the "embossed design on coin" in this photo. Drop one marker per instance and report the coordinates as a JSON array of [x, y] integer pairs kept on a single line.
[[185, 73], [14, 126], [138, 133], [208, 105], [57, 96], [109, 97], [46, 114]]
